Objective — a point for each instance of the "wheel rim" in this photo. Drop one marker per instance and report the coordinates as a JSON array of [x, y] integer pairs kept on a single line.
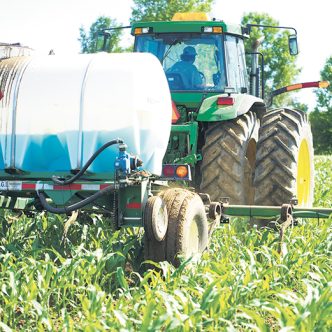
[[303, 179], [192, 243], [160, 223], [155, 219]]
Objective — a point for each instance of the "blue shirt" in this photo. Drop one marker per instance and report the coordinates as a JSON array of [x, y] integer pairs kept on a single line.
[[190, 75]]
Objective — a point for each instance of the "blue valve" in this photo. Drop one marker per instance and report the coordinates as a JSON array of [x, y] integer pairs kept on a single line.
[[125, 163]]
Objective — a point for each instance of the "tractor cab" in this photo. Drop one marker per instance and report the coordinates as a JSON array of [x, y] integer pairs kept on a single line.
[[203, 61], [199, 57]]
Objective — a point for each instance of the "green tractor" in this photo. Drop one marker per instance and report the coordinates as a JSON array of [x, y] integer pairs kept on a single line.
[[60, 151], [236, 145]]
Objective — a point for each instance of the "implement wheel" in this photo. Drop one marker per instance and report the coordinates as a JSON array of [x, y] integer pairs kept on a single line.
[[284, 162], [229, 156], [155, 219], [187, 233]]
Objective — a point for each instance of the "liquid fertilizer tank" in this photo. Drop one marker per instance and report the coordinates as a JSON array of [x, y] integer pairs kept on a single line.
[[57, 111]]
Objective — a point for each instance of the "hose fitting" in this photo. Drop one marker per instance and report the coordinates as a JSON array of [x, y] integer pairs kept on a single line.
[[125, 163]]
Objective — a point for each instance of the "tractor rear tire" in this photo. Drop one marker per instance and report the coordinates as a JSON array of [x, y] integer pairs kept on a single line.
[[284, 162], [229, 155], [187, 232]]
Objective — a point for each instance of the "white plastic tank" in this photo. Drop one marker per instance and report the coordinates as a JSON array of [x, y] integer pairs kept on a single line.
[[57, 111], [12, 50]]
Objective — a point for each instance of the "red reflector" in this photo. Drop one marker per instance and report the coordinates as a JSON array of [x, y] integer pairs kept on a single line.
[[310, 85], [168, 171], [175, 113], [1, 95], [68, 187], [133, 205], [28, 186], [225, 101]]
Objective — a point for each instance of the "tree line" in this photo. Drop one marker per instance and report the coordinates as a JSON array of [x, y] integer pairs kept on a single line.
[[280, 67]]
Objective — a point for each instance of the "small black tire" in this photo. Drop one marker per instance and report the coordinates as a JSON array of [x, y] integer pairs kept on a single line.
[[187, 233], [154, 250]]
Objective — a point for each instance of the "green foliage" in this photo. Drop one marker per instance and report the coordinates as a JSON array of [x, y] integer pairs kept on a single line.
[[163, 10], [85, 278], [280, 66], [92, 41], [323, 181], [300, 106], [321, 117]]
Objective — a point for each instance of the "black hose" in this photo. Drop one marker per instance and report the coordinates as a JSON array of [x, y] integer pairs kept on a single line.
[[88, 163], [81, 197], [73, 207]]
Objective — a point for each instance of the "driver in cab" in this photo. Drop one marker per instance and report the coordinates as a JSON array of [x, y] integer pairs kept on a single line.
[[190, 76]]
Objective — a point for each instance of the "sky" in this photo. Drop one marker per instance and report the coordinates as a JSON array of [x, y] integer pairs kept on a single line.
[[54, 24]]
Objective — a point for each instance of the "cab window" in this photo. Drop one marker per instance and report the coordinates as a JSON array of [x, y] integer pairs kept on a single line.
[[171, 50]]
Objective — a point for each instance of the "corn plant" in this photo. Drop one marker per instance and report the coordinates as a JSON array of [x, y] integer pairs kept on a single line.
[[59, 275]]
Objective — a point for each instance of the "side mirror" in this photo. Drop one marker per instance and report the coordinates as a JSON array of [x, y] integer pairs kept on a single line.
[[103, 41], [292, 43]]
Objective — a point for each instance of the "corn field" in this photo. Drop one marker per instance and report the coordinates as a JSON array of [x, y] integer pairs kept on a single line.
[[64, 275]]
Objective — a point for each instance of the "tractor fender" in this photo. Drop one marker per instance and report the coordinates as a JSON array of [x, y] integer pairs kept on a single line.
[[242, 103]]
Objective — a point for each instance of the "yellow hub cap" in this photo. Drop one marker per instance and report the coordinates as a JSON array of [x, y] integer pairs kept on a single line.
[[303, 174]]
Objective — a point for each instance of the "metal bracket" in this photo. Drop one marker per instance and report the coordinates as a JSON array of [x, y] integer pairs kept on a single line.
[[294, 201], [205, 198], [224, 202], [191, 159], [286, 218]]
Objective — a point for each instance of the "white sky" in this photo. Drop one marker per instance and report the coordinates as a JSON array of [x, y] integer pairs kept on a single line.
[[54, 24]]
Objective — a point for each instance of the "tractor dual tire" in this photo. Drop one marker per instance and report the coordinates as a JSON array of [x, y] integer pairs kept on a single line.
[[284, 161], [229, 154], [187, 233]]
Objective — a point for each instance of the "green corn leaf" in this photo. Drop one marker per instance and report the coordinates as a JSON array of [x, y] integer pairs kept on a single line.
[[121, 278], [5, 328]]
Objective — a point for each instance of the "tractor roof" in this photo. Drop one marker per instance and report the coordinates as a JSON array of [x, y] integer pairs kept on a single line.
[[186, 22]]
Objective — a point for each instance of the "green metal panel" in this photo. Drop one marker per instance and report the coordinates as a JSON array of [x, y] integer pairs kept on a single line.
[[190, 99], [186, 152], [130, 197], [208, 108], [186, 26], [210, 111], [274, 211], [132, 200], [60, 197]]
